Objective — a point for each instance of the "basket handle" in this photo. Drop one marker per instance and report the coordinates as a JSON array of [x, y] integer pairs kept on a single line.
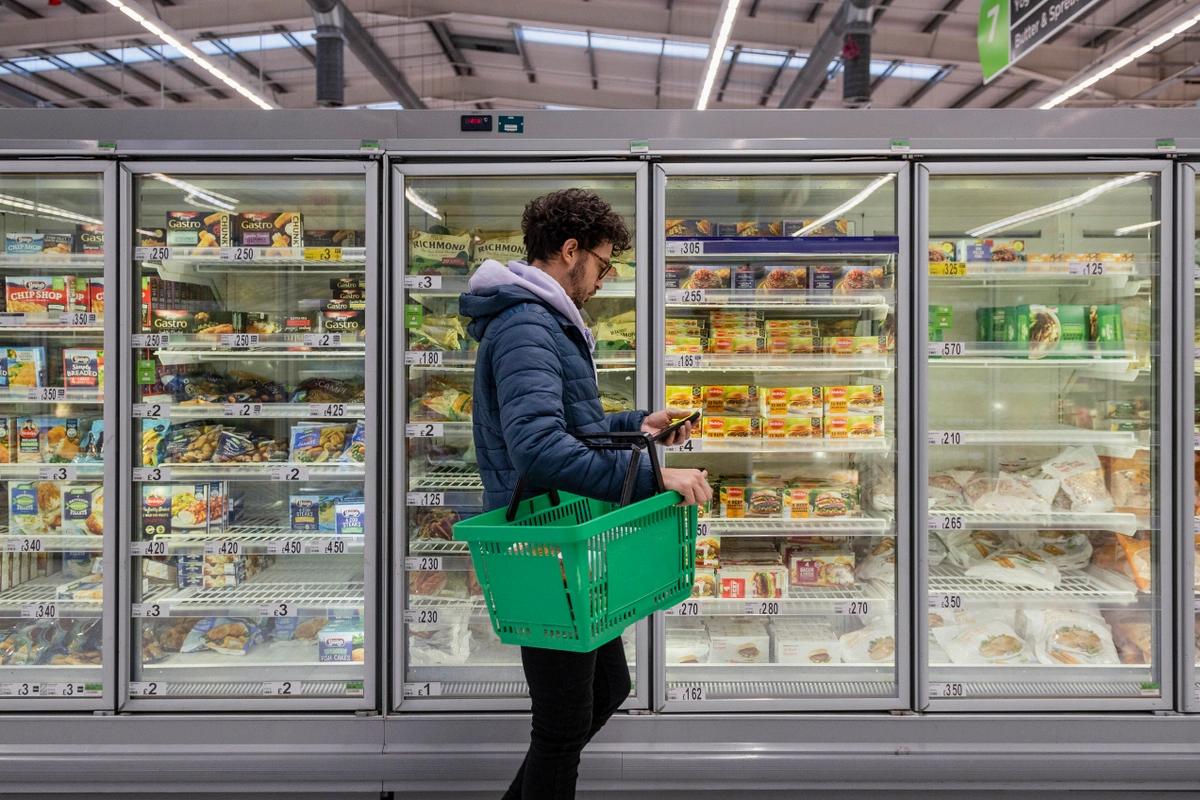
[[609, 440]]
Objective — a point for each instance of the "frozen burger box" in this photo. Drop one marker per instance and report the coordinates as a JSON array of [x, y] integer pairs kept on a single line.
[[687, 646], [752, 582], [794, 642], [738, 642]]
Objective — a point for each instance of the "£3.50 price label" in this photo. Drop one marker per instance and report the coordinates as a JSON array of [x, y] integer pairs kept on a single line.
[[423, 358], [52, 394], [946, 602], [430, 689], [947, 690], [687, 694], [425, 499], [428, 282], [79, 319], [421, 430]]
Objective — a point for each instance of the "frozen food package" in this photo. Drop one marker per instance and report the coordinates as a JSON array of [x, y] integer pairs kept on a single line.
[[854, 399], [708, 551], [1081, 476], [1129, 482], [446, 642], [687, 397], [199, 229], [991, 643], [738, 641], [874, 643], [1063, 549], [705, 582], [687, 647], [268, 229], [792, 427], [777, 278], [1132, 635], [1069, 636], [937, 549], [231, 637], [502, 246], [730, 399], [785, 401], [821, 568], [946, 488], [38, 296], [690, 227], [24, 367], [757, 582], [1017, 568], [1009, 492], [797, 642], [702, 277], [438, 252], [879, 562], [1138, 555], [966, 548]]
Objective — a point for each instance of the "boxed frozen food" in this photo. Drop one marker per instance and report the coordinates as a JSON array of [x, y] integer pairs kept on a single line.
[[23, 243], [58, 243], [333, 237], [708, 550], [7, 440], [1046, 330], [792, 427], [687, 646], [690, 227], [764, 502], [792, 345], [1105, 326], [853, 426], [730, 399], [699, 277], [735, 641], [1139, 558], [752, 582], [750, 228], [853, 345], [790, 400], [874, 643], [89, 238], [990, 643], [313, 442], [683, 343], [802, 642], [816, 227], [31, 440], [688, 397], [350, 518], [781, 278], [346, 322], [845, 279], [990, 322], [24, 367], [38, 295], [721, 344], [732, 499], [854, 399], [687, 326], [1129, 482], [35, 509], [820, 567], [62, 439], [81, 368], [438, 252], [1017, 567], [730, 427], [199, 229], [704, 584], [268, 229], [313, 511]]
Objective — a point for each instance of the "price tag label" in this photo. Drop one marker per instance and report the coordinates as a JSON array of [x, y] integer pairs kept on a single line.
[[946, 690], [225, 547], [690, 247], [327, 547], [239, 339], [423, 358], [853, 608], [947, 269], [686, 296], [279, 610], [151, 253], [20, 690], [423, 563], [51, 394], [57, 473], [702, 528], [684, 361], [946, 602], [151, 474], [322, 340], [67, 690], [327, 410], [81, 319], [151, 410], [947, 522], [47, 610], [1091, 269], [289, 472], [147, 689], [243, 409], [688, 608], [25, 545], [425, 499], [422, 616], [149, 610], [286, 547], [945, 438], [421, 430], [322, 254], [12, 319], [279, 688], [431, 689], [430, 282], [155, 547], [690, 446], [237, 253], [947, 349], [687, 694], [765, 608], [152, 340]]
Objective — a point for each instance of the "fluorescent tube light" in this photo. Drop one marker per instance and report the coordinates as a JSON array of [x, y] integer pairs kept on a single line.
[[872, 187], [32, 209], [1058, 206], [716, 52], [421, 203], [188, 51], [197, 195], [1141, 226]]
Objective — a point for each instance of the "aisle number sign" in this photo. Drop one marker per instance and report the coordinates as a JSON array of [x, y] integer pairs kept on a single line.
[[1010, 29]]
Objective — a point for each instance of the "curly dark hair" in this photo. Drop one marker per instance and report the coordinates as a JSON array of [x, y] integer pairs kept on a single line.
[[577, 214]]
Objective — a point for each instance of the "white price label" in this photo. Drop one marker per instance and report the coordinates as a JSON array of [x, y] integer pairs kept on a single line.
[[82, 319], [854, 608], [151, 474], [423, 563], [690, 247], [702, 528], [947, 690], [286, 547], [239, 339], [327, 410], [279, 610], [686, 296], [422, 616], [425, 499], [422, 281], [151, 253], [1087, 268], [243, 409], [25, 545], [224, 547], [151, 410], [690, 446], [149, 610], [947, 522], [947, 349], [52, 394], [945, 438], [289, 472], [766, 608], [684, 361], [20, 690], [40, 611], [688, 608], [66, 690], [322, 340], [686, 694], [57, 473], [147, 689], [279, 688], [327, 547], [946, 602], [423, 358], [421, 430], [12, 319], [151, 339], [155, 547], [237, 253], [431, 689]]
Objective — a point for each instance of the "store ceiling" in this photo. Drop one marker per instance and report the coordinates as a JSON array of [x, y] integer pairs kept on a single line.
[[572, 53]]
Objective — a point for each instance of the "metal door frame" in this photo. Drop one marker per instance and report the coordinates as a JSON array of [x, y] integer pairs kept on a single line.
[[106, 169], [368, 169], [902, 530], [1185, 441], [1164, 634], [400, 172]]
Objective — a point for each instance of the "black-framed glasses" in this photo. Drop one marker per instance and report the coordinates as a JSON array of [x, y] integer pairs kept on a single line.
[[606, 264]]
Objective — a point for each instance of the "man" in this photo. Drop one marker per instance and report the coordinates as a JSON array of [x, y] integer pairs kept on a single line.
[[535, 387]]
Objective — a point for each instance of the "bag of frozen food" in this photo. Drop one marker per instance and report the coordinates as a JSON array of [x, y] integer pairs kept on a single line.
[[190, 443], [438, 332], [446, 642], [1069, 636], [1132, 635], [879, 563], [313, 442], [687, 647], [618, 332], [438, 251], [1008, 492], [991, 643], [946, 488], [1081, 476], [1017, 568], [1063, 549], [937, 550], [967, 548], [502, 246], [231, 637], [200, 387], [1138, 556], [875, 643], [442, 402], [325, 390], [1129, 482]]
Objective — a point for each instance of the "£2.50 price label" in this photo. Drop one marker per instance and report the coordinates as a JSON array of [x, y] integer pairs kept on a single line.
[[239, 339], [152, 340]]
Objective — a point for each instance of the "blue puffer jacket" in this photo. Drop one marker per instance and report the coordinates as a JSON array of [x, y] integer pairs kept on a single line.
[[534, 387]]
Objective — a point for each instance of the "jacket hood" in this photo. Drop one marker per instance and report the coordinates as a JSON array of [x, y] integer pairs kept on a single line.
[[494, 287]]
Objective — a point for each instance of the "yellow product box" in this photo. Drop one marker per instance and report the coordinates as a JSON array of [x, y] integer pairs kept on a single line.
[[792, 345], [686, 344], [725, 427], [690, 397], [733, 499], [853, 426], [691, 326], [797, 327], [783, 401], [792, 427], [864, 398], [854, 345], [716, 318], [730, 399], [727, 345]]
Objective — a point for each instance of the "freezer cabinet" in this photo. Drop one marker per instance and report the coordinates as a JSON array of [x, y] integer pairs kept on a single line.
[[1188, 441]]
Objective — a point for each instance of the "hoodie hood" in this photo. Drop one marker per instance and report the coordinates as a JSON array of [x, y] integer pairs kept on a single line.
[[495, 287]]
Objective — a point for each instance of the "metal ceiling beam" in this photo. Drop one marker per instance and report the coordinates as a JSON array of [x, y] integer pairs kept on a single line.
[[1124, 23], [87, 77], [941, 16], [970, 95], [296, 44], [771, 84], [519, 38], [16, 97], [888, 72], [449, 48], [927, 87], [80, 6], [135, 74], [658, 73], [1016, 94], [54, 86], [815, 11], [243, 62], [737, 51], [591, 57], [20, 8], [811, 79], [180, 70]]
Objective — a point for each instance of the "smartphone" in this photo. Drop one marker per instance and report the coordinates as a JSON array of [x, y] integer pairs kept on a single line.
[[668, 431]]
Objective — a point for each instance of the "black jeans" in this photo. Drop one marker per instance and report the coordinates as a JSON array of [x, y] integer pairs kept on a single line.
[[573, 695]]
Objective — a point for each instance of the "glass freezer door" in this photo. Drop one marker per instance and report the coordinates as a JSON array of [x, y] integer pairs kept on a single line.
[[1047, 566], [455, 218], [56, 538], [1189, 443], [779, 289], [251, 510]]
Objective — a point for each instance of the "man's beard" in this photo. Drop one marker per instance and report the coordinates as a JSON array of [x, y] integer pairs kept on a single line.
[[577, 288]]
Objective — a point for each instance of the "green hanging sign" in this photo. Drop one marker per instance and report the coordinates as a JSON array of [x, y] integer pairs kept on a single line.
[[1009, 30]]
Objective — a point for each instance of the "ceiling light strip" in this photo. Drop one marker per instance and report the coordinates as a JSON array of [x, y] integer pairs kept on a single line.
[[716, 51], [872, 187], [1058, 206]]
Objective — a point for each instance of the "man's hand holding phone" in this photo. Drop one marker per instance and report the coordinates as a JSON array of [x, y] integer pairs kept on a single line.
[[674, 426]]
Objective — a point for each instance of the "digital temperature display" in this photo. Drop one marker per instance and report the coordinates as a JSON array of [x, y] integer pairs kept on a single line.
[[476, 122]]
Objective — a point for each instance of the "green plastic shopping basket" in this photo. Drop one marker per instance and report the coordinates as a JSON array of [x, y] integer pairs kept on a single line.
[[566, 572]]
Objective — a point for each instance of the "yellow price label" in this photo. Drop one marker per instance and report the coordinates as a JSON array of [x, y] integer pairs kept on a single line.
[[948, 269], [322, 254]]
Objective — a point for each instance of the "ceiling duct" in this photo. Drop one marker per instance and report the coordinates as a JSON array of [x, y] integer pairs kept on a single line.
[[334, 14], [331, 63], [856, 54]]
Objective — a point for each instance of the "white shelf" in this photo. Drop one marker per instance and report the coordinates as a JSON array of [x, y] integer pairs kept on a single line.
[[798, 299], [1065, 435], [248, 259], [799, 601], [181, 411], [49, 543], [464, 361], [66, 262], [454, 285], [261, 471], [946, 579], [765, 362], [838, 526], [33, 472], [44, 590], [34, 396], [880, 444], [264, 537], [1128, 524]]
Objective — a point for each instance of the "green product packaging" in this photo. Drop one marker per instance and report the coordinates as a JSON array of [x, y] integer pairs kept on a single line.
[[1073, 328], [1104, 327], [984, 332], [1016, 324]]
